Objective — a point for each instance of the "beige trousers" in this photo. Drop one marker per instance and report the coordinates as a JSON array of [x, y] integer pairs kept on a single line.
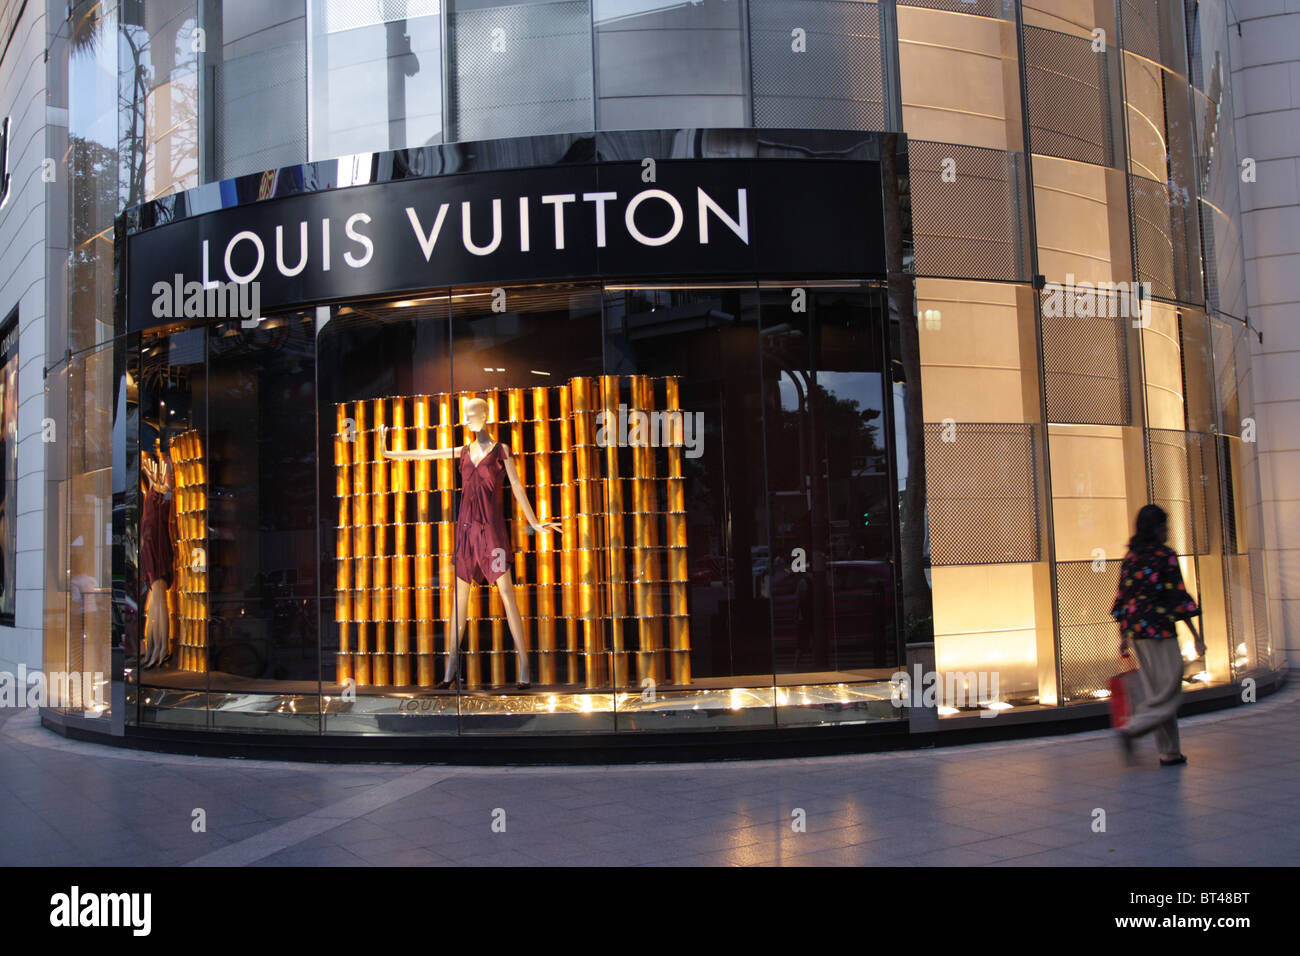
[[1161, 666]]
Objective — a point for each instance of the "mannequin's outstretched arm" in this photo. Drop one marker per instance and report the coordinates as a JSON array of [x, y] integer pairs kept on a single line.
[[414, 452], [517, 487]]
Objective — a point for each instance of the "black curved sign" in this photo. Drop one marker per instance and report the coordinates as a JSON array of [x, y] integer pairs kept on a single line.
[[768, 217]]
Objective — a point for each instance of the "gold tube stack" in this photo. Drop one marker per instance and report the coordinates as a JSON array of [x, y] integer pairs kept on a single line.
[[395, 582], [615, 533], [679, 622], [399, 473], [344, 614], [188, 597], [548, 661]]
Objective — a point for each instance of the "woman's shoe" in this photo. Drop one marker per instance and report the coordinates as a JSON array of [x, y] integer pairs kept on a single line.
[[1126, 746], [1173, 761], [523, 685], [451, 683]]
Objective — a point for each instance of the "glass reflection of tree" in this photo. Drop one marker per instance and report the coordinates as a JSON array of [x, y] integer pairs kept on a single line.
[[837, 443]]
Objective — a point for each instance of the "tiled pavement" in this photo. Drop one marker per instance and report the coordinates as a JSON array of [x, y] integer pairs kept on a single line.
[[1027, 802]]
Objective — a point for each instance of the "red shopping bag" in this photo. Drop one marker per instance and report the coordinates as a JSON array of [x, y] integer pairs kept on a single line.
[[1126, 695]]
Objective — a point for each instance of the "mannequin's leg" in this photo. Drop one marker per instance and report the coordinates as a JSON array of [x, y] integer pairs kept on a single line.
[[506, 585], [462, 617], [156, 624], [150, 627]]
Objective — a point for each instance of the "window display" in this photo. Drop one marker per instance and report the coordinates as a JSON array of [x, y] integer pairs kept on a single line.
[[699, 526], [618, 564]]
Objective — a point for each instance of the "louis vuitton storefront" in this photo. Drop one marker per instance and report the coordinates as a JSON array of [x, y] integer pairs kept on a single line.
[[647, 411], [684, 473]]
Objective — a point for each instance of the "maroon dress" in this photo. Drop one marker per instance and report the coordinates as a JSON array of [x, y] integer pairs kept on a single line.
[[483, 551], [157, 554]]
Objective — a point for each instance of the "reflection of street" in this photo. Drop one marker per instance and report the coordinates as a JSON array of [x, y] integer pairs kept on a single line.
[[857, 604]]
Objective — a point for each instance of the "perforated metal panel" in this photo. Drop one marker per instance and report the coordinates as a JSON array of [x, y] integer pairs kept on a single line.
[[1086, 369], [1141, 22], [342, 15], [980, 8], [1153, 235], [520, 70], [1176, 469], [1210, 257], [983, 494], [261, 111], [971, 224], [1089, 636], [1069, 97], [1231, 543], [836, 82], [1164, 233]]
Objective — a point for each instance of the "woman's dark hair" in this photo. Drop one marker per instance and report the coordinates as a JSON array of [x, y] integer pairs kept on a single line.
[[1152, 525]]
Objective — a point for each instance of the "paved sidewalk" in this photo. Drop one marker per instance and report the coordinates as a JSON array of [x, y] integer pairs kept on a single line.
[[1028, 802]]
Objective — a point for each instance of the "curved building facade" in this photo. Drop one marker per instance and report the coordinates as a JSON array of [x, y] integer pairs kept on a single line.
[[821, 341]]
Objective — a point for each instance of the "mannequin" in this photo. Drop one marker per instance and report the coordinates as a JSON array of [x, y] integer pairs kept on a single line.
[[483, 551], [157, 554]]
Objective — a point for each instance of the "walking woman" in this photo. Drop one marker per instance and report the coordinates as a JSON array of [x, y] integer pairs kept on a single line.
[[1150, 601]]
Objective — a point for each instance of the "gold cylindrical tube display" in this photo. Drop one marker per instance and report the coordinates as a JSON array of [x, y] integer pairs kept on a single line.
[[621, 555], [186, 599], [568, 521]]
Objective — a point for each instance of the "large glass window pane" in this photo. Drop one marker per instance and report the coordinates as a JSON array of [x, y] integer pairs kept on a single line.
[[261, 514], [158, 86], [376, 76], [386, 596], [167, 650], [697, 350], [90, 157], [831, 569], [55, 653], [662, 65], [534, 356]]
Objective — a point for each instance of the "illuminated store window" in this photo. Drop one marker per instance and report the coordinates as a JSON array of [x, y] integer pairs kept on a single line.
[[166, 645], [831, 568]]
